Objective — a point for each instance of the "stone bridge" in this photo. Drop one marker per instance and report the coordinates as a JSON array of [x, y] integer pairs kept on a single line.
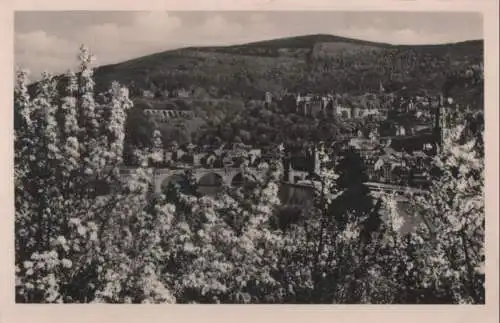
[[213, 177], [390, 188], [205, 177], [378, 189], [234, 176], [290, 194]]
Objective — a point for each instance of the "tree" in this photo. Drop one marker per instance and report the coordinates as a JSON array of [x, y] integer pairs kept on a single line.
[[138, 129], [222, 248], [453, 210], [355, 198], [442, 259], [73, 244]]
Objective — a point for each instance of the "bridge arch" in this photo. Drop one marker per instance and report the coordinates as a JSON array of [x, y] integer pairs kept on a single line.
[[173, 179], [211, 179], [210, 183], [238, 180]]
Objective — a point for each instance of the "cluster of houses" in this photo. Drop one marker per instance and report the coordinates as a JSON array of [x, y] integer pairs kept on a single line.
[[381, 146], [192, 156], [385, 153], [384, 161], [421, 107]]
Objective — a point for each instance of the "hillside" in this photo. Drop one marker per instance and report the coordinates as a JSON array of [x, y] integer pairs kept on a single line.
[[226, 83], [318, 63]]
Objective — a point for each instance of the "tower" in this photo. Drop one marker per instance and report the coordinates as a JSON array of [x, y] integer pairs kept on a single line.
[[324, 104], [314, 160], [306, 108], [441, 121], [287, 167], [411, 105], [298, 102], [268, 99]]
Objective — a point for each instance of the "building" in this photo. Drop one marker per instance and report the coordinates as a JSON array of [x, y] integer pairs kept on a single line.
[[443, 119], [345, 112], [313, 105], [327, 105], [147, 94], [181, 93], [268, 99], [299, 167]]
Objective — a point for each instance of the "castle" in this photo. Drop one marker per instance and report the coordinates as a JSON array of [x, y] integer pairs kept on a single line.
[[314, 105]]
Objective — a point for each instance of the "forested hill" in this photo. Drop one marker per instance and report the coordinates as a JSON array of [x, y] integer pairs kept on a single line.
[[311, 63], [306, 63]]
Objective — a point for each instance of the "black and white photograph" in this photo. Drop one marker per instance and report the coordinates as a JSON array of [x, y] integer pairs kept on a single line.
[[249, 157]]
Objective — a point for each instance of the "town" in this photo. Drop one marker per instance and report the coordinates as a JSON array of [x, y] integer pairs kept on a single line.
[[397, 155]]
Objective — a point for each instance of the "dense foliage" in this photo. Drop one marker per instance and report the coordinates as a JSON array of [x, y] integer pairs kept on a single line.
[[317, 63], [254, 123], [86, 234], [251, 124]]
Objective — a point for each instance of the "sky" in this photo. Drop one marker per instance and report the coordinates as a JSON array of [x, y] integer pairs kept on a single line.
[[49, 41]]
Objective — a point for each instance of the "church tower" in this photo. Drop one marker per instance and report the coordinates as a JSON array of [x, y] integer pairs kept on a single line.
[[313, 159], [268, 98], [440, 121]]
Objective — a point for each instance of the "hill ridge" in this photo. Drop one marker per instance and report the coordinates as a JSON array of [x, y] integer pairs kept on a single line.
[[308, 63], [316, 38]]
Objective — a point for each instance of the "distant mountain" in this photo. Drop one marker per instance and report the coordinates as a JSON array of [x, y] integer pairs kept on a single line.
[[317, 63], [306, 41]]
